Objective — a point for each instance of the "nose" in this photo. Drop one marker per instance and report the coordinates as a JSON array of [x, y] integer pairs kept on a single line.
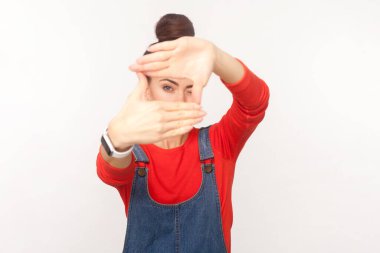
[[182, 96]]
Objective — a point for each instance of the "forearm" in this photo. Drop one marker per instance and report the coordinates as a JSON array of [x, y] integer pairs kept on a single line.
[[250, 100], [247, 88], [120, 163], [114, 171], [120, 146], [227, 67]]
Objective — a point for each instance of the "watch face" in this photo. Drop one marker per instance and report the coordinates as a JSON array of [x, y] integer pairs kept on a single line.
[[105, 145]]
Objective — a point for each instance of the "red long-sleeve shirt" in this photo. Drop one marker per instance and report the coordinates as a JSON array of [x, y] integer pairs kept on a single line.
[[174, 174]]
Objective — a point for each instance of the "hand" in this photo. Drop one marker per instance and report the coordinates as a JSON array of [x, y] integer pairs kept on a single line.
[[142, 121], [185, 57]]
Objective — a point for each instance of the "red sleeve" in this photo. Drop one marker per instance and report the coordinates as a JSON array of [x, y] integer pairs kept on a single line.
[[111, 175], [250, 100]]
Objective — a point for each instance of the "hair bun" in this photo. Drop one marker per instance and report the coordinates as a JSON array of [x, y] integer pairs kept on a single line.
[[173, 26]]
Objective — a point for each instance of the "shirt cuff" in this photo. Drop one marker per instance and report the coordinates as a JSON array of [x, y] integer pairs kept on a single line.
[[110, 169]]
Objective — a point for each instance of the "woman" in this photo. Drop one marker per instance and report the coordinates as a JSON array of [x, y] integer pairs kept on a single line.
[[176, 183]]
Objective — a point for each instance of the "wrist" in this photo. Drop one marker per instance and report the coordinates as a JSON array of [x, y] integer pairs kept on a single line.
[[119, 145], [122, 149], [228, 68], [218, 59]]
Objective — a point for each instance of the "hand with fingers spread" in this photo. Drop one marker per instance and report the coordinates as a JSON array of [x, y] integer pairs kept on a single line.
[[142, 121], [185, 57]]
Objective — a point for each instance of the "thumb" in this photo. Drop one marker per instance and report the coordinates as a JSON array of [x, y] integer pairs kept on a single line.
[[197, 91], [140, 89]]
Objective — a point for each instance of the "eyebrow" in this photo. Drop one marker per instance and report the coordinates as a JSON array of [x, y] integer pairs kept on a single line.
[[174, 82]]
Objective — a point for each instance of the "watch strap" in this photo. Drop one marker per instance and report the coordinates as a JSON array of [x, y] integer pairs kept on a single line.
[[110, 149]]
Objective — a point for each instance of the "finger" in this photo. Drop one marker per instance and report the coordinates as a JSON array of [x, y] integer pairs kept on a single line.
[[154, 66], [140, 88], [182, 115], [197, 93], [175, 106], [178, 131], [143, 85], [171, 127], [165, 72], [154, 57], [164, 46]]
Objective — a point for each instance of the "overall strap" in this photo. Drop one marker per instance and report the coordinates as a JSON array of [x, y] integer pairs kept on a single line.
[[139, 153], [205, 149]]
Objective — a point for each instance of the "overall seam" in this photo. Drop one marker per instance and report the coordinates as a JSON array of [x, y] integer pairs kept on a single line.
[[183, 203], [218, 207], [177, 229], [131, 204]]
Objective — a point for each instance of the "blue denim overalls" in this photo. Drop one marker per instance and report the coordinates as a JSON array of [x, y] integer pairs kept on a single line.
[[191, 226]]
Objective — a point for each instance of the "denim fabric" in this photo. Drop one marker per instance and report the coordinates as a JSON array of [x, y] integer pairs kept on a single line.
[[191, 226]]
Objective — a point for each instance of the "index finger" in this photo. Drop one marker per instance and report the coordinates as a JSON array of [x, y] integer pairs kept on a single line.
[[163, 45], [174, 106]]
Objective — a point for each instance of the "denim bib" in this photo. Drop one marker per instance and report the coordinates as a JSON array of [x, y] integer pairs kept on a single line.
[[191, 226]]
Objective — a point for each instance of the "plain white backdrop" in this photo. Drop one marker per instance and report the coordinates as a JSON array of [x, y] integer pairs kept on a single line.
[[307, 180]]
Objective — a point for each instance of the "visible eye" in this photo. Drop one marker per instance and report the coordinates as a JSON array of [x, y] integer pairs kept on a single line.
[[189, 91], [168, 87]]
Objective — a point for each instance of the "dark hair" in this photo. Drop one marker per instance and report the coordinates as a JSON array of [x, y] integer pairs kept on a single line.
[[172, 26]]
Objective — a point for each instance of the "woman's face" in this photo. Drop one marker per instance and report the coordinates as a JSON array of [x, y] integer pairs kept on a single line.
[[170, 89]]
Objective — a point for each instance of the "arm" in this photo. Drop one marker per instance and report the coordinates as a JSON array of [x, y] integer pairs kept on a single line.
[[114, 171], [120, 163], [227, 67], [250, 100]]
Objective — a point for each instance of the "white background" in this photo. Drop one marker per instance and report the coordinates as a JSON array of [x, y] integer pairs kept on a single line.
[[308, 178]]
